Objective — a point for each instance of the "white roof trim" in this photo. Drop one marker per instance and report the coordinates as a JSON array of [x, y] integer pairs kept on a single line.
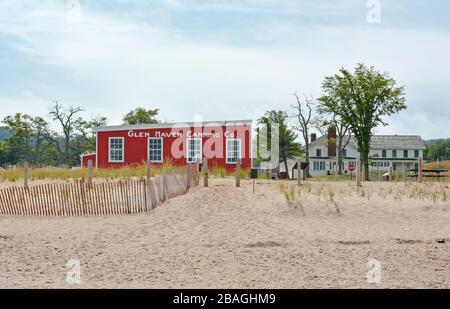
[[87, 154], [172, 125]]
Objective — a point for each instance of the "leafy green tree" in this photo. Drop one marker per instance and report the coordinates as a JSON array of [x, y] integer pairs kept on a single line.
[[32, 139], [289, 148], [27, 142], [438, 150], [141, 116], [362, 99], [86, 129]]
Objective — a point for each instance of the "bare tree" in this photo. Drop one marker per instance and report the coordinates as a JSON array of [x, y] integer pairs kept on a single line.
[[304, 116], [66, 118]]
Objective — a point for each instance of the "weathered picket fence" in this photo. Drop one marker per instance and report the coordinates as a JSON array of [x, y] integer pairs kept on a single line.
[[80, 198]]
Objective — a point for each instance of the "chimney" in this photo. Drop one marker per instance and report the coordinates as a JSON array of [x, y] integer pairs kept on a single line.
[[332, 142], [313, 137]]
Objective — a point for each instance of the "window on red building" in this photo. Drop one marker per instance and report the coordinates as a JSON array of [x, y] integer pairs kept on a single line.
[[194, 150], [233, 150], [116, 149], [155, 150]]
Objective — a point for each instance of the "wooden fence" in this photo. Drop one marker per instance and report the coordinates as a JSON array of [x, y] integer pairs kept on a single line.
[[80, 198]]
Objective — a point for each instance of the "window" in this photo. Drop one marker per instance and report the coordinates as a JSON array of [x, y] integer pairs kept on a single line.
[[233, 150], [322, 166], [116, 149], [194, 150], [318, 153], [155, 149], [394, 153], [344, 153], [416, 153], [405, 154], [318, 166], [383, 153]]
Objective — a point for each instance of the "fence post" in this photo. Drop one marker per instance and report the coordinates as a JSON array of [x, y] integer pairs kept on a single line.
[[238, 173], [90, 173], [25, 175], [299, 171], [197, 174], [205, 172], [419, 174], [188, 177], [165, 189], [358, 171]]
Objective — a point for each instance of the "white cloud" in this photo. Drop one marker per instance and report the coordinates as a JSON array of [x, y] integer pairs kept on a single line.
[[118, 64]]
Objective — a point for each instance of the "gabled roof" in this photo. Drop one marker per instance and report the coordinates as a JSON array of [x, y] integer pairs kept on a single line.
[[397, 142], [384, 142]]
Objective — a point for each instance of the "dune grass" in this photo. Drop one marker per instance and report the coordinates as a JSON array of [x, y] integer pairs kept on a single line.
[[126, 172], [54, 173], [334, 194]]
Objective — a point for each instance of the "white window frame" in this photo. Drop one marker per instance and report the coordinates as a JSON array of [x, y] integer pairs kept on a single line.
[[188, 149], [226, 149], [162, 149], [109, 150]]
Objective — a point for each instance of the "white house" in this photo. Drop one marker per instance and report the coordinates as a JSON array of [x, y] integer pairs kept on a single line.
[[397, 151]]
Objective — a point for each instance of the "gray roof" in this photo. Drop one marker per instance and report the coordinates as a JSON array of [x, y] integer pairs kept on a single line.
[[174, 125], [397, 142], [387, 142]]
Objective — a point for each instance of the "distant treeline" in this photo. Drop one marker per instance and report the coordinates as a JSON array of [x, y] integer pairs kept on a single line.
[[32, 139], [438, 149]]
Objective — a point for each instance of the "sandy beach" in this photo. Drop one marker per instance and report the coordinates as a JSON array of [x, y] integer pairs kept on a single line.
[[227, 237]]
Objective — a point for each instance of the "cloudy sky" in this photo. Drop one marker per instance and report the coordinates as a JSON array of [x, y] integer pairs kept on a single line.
[[221, 59]]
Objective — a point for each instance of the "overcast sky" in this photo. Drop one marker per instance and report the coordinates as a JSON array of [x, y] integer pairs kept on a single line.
[[221, 59]]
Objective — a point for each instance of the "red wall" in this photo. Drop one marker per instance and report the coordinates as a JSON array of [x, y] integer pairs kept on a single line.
[[135, 148], [85, 159]]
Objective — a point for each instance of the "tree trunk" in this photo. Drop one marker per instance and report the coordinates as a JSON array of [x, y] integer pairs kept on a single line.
[[365, 159], [339, 154], [307, 174], [366, 171]]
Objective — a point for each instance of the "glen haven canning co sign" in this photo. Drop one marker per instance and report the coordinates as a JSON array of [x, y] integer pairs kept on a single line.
[[178, 134]]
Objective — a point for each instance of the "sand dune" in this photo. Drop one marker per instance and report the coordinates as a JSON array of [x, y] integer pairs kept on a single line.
[[226, 237]]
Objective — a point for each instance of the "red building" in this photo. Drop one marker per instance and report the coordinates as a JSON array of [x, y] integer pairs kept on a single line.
[[223, 143]]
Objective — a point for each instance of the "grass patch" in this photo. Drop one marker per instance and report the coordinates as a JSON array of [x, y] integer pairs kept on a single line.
[[125, 172]]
